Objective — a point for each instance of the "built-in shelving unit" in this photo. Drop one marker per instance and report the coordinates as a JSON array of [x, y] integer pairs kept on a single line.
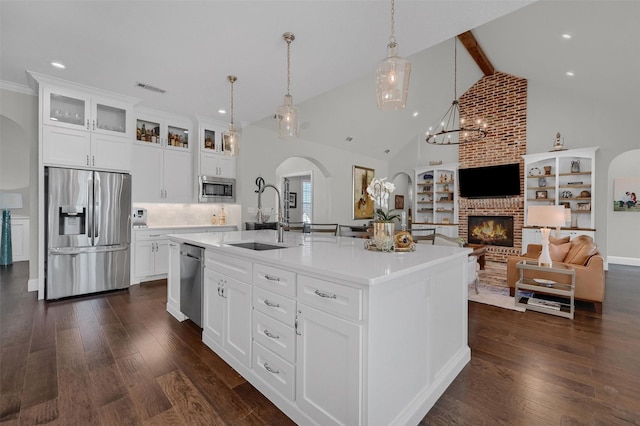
[[436, 198], [561, 178]]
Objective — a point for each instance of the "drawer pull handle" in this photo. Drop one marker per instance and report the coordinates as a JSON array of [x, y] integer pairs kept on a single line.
[[269, 334], [270, 304], [327, 295], [270, 370], [271, 278]]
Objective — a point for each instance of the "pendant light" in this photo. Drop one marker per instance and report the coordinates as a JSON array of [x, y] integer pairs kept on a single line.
[[452, 129], [231, 138], [287, 115], [392, 75]]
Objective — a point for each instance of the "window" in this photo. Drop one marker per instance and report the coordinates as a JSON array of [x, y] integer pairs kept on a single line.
[[307, 206]]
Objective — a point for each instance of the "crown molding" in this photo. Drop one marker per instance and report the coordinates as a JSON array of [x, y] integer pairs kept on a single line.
[[14, 87]]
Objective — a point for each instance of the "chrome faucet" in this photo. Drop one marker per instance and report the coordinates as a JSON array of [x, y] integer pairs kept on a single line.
[[279, 216]]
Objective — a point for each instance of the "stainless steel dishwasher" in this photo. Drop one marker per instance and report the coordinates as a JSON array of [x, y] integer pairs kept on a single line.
[[191, 282]]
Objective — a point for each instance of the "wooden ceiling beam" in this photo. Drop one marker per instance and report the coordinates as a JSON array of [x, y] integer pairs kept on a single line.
[[471, 44]]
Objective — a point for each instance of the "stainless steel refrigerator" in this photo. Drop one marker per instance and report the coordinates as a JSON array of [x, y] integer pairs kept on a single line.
[[88, 231]]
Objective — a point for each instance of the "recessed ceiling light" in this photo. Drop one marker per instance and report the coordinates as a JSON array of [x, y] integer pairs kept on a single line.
[[222, 111], [566, 36], [570, 73], [57, 64], [416, 113]]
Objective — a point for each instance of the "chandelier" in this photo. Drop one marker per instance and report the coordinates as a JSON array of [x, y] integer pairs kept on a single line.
[[286, 114], [452, 129], [231, 138], [392, 75]]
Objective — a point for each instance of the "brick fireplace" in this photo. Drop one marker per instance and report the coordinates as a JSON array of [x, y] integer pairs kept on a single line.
[[501, 100]]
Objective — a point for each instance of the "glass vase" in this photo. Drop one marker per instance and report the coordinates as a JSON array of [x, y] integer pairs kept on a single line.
[[383, 235]]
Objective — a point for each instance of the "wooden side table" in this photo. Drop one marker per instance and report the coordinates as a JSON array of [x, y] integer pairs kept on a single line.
[[543, 286]]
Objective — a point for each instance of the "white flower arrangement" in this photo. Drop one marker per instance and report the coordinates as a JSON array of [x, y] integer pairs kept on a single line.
[[380, 191]]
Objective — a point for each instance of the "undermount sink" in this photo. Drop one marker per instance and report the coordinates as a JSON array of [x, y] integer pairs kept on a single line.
[[254, 245]]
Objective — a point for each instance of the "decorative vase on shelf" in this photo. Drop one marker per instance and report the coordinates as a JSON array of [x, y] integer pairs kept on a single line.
[[383, 235]]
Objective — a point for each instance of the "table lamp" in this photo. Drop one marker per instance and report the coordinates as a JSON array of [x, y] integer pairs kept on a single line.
[[8, 201], [546, 217]]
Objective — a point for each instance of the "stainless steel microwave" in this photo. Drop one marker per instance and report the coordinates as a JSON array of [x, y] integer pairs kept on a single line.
[[213, 189]]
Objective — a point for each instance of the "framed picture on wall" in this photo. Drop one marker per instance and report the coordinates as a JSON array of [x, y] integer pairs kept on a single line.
[[362, 204], [293, 200], [625, 194], [399, 202]]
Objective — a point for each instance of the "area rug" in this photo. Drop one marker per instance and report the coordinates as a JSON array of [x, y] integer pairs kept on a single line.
[[492, 287]]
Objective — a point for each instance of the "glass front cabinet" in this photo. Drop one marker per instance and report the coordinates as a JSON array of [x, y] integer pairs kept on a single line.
[[84, 127]]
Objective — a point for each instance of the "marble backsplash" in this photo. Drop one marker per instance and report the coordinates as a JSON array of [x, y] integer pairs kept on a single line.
[[189, 214]]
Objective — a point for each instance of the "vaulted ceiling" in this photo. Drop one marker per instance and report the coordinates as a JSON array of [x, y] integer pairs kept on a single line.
[[189, 47]]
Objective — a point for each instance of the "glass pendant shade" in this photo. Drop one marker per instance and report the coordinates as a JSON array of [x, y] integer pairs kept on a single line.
[[287, 119], [231, 140], [392, 80]]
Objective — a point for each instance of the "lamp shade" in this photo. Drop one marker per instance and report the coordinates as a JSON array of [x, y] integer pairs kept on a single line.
[[10, 200], [545, 216]]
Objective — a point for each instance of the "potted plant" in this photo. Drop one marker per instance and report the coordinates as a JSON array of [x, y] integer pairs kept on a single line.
[[383, 225]]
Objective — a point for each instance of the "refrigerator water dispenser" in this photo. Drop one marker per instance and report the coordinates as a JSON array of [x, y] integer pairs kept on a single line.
[[72, 220]]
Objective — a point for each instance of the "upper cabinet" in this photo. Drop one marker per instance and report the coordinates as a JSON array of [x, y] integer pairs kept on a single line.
[[212, 158], [563, 178], [163, 130], [162, 158], [436, 195], [84, 127]]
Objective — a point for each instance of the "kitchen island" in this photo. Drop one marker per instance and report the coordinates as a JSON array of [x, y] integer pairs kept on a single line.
[[329, 332]]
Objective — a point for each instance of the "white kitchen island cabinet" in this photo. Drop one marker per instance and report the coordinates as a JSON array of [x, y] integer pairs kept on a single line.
[[338, 334]]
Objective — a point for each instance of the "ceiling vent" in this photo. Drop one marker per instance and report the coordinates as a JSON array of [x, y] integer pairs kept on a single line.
[[150, 87]]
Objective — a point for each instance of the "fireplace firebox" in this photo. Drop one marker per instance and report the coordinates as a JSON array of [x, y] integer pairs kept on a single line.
[[491, 230]]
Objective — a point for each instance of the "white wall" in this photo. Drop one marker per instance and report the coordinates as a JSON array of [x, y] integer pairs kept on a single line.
[[19, 159], [261, 154], [586, 122], [623, 231]]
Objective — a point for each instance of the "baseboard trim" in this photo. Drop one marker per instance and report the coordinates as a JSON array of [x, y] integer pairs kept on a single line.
[[618, 260], [32, 284]]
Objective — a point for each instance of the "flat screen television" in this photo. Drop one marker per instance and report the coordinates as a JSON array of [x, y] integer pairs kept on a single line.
[[490, 182]]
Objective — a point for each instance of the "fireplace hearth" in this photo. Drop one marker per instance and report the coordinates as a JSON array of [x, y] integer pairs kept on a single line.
[[491, 230]]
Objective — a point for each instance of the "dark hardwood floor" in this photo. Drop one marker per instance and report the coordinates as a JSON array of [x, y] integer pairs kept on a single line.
[[120, 358]]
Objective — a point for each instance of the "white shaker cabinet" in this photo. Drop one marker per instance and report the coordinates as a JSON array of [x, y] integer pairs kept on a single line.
[[162, 175], [329, 378], [227, 315], [151, 254], [84, 127]]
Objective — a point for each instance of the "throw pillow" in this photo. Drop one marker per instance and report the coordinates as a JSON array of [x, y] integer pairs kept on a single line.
[[582, 248], [559, 251], [562, 240]]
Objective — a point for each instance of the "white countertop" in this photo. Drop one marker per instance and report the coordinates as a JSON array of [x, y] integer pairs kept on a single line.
[[342, 258]]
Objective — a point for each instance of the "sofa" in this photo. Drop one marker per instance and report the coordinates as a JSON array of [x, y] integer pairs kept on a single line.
[[581, 253]]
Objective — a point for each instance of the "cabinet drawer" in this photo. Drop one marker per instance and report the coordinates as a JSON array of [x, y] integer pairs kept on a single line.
[[274, 370], [274, 305], [151, 235], [229, 266], [274, 279], [275, 336], [330, 297]]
